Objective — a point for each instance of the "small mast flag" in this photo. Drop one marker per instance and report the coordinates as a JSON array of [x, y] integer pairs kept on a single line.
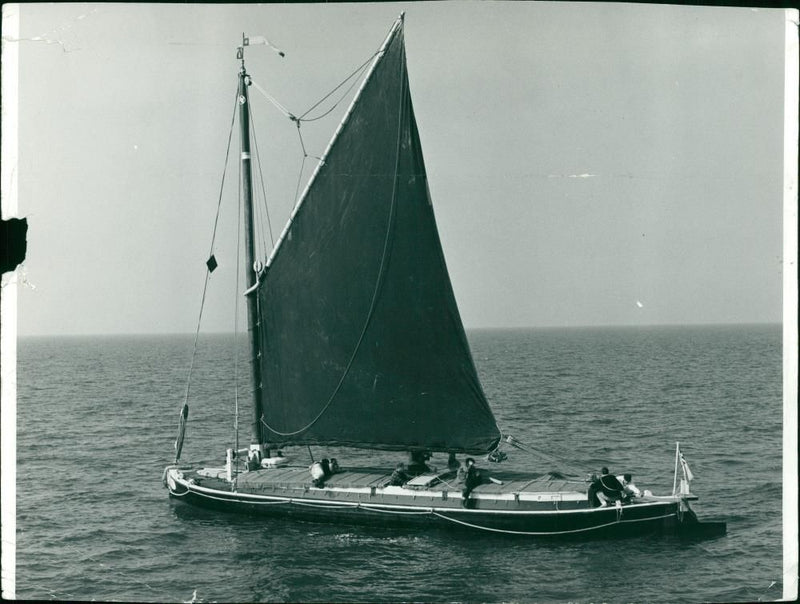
[[252, 40], [687, 473]]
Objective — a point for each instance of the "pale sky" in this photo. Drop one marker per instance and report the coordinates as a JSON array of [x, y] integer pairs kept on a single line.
[[589, 164]]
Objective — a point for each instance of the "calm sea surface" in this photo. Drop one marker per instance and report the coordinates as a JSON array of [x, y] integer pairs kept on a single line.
[[97, 418]]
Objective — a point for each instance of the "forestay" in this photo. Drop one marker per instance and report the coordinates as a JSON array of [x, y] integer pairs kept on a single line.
[[362, 342]]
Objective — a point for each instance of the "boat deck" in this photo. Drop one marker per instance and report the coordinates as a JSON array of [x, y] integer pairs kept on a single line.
[[505, 482]]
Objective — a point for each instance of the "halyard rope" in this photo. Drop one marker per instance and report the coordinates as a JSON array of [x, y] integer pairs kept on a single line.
[[549, 458], [360, 68], [302, 118], [263, 188], [211, 252], [275, 103]]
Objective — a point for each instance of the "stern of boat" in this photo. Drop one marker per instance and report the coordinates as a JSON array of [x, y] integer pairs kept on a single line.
[[688, 524]]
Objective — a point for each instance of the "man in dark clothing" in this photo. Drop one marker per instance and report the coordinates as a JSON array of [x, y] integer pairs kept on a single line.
[[611, 489], [472, 478], [418, 462], [399, 476], [594, 487]]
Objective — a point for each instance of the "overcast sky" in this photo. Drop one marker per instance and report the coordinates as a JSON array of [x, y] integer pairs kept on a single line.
[[589, 164]]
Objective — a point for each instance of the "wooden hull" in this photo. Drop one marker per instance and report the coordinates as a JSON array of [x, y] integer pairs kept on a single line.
[[501, 510]]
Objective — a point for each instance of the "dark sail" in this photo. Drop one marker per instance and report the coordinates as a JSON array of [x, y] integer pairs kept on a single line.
[[362, 342]]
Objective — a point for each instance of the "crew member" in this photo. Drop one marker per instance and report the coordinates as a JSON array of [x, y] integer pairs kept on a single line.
[[472, 478]]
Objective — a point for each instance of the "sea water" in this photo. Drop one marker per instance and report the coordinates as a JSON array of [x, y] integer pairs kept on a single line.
[[97, 418]]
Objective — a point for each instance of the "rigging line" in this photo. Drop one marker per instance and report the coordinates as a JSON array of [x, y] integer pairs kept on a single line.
[[275, 103], [303, 144], [263, 188], [381, 269], [331, 143], [289, 114], [342, 83], [302, 163], [258, 220], [239, 221], [211, 251], [549, 458], [225, 170], [299, 180], [260, 242]]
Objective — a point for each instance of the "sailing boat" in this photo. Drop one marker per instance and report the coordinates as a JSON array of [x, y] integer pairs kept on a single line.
[[357, 341]]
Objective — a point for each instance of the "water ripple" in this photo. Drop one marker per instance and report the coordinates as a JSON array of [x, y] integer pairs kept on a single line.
[[94, 521]]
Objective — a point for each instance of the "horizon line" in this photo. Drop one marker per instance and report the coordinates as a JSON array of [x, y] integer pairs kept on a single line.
[[467, 329]]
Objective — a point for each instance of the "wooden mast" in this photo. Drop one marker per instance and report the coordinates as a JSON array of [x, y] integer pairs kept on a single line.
[[251, 270]]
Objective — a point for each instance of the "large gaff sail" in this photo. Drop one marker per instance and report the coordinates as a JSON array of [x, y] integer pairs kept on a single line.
[[362, 342]]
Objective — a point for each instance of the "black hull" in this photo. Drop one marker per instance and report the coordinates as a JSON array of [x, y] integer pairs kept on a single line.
[[599, 523], [544, 528]]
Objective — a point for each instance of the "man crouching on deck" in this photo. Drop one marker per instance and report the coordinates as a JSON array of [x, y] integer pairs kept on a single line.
[[606, 488]]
